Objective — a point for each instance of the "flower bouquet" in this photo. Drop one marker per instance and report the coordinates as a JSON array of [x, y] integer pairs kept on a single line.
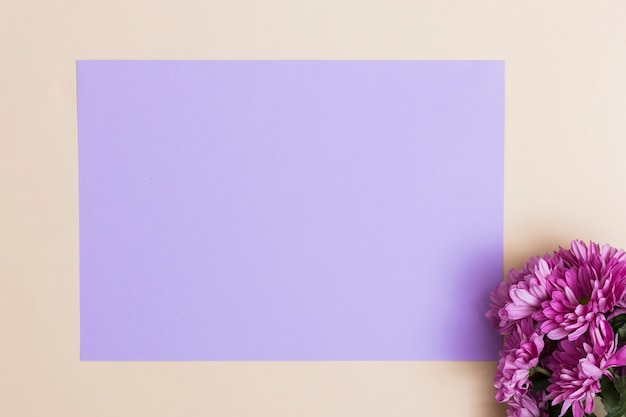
[[563, 317]]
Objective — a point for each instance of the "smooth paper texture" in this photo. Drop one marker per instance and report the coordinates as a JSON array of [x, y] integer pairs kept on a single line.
[[289, 210]]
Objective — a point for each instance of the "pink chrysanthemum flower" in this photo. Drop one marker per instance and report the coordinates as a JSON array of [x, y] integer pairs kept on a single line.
[[522, 331], [521, 296], [526, 405], [590, 281], [620, 308], [497, 313], [519, 358], [557, 313], [530, 289], [578, 366]]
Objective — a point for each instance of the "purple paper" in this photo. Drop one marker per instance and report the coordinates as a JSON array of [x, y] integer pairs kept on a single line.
[[290, 210]]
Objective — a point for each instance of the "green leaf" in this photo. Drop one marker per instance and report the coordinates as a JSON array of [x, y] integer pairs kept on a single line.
[[617, 321], [614, 396], [619, 326], [541, 385], [621, 333], [616, 412], [620, 385], [610, 395]]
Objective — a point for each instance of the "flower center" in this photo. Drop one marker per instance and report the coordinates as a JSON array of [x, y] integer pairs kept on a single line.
[[584, 300]]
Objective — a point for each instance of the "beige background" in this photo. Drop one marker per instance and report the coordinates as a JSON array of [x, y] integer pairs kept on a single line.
[[565, 178]]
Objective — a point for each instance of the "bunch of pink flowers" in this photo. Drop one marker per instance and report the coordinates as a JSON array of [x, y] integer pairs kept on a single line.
[[563, 317]]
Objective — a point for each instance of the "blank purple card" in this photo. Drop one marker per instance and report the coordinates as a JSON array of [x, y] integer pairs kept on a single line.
[[290, 210]]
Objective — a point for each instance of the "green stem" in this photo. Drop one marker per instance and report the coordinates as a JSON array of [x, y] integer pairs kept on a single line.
[[542, 370]]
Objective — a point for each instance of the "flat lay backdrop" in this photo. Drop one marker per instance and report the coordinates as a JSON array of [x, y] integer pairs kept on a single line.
[[565, 178], [289, 210]]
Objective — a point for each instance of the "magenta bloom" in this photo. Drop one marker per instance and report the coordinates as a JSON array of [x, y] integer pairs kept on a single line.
[[531, 288], [556, 314], [591, 281], [526, 405], [521, 296], [517, 360], [497, 314], [578, 366]]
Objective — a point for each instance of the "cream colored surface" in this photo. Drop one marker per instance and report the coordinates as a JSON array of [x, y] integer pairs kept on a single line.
[[565, 178]]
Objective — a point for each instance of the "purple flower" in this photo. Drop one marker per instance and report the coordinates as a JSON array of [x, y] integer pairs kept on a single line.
[[554, 313], [578, 366], [620, 308], [497, 313], [521, 296], [590, 281], [530, 290], [519, 358], [526, 405], [522, 332]]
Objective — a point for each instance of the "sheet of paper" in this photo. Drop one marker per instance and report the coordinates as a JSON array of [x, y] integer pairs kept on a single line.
[[289, 210]]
